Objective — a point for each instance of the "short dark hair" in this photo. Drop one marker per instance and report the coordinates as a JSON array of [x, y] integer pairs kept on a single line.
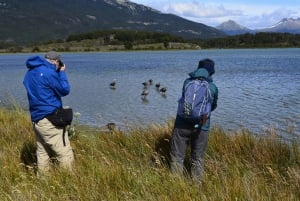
[[208, 64]]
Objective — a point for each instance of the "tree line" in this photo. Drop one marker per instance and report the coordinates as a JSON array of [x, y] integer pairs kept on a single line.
[[117, 37], [128, 38], [248, 40]]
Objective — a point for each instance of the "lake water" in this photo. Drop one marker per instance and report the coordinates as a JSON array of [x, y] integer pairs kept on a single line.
[[258, 88]]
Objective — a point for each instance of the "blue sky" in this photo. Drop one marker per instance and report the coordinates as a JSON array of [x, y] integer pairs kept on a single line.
[[253, 14]]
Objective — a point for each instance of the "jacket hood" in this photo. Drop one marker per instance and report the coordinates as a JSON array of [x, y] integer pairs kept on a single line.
[[34, 62], [200, 72]]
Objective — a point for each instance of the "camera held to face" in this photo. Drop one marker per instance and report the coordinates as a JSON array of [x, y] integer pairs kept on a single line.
[[60, 65]]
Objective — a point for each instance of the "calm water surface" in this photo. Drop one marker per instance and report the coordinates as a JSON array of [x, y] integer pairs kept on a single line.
[[258, 88]]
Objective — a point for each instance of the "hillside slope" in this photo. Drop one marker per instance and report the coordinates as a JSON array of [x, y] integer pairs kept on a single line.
[[25, 21]]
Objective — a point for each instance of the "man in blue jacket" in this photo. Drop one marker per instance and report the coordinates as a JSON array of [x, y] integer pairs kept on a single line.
[[46, 83], [185, 132]]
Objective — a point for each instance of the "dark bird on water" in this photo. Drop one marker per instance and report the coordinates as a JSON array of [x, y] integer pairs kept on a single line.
[[150, 81], [145, 84], [163, 90], [144, 93], [112, 85], [157, 85]]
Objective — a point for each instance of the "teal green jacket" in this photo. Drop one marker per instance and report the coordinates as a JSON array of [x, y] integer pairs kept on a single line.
[[201, 72]]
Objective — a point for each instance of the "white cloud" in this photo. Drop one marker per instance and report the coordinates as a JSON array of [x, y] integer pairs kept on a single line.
[[252, 14], [266, 19], [194, 9]]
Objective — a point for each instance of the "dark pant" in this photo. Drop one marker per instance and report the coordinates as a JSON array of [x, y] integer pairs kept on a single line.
[[179, 142]]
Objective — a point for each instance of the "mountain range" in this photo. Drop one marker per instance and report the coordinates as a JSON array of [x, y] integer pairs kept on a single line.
[[30, 21], [27, 21], [286, 25]]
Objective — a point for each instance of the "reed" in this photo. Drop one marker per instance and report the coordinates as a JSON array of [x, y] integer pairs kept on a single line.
[[135, 166]]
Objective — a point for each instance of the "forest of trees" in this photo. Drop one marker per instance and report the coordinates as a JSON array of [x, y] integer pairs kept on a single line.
[[131, 38], [258, 40], [117, 37]]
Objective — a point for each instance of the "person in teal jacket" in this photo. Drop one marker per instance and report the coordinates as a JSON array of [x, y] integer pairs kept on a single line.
[[185, 132], [46, 83]]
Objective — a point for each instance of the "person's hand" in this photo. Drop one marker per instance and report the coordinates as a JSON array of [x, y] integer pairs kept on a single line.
[[60, 66], [204, 118], [63, 68]]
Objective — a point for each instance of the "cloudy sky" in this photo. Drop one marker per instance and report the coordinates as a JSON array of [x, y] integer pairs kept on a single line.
[[253, 14]]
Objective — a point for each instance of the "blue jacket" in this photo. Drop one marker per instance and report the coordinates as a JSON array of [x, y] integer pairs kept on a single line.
[[201, 72], [44, 87]]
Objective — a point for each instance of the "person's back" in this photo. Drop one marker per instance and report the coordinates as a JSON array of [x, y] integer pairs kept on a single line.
[[180, 122], [45, 83], [45, 87], [185, 131]]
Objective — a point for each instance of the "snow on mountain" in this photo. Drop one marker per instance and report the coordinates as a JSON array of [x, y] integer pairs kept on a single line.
[[286, 25]]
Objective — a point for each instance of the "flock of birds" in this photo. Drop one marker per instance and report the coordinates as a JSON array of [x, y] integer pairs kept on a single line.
[[111, 126], [146, 85]]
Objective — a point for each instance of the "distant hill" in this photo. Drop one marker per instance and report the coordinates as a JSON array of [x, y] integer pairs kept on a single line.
[[286, 25], [27, 21], [230, 27]]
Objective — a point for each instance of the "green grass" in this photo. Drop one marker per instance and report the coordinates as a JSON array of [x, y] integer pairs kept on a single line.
[[134, 166]]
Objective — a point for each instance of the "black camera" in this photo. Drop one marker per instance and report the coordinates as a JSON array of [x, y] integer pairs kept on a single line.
[[60, 65]]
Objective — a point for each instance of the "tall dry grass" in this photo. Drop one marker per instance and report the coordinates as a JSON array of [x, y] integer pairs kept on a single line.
[[134, 166]]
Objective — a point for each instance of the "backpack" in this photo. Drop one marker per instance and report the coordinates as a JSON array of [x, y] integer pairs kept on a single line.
[[195, 103]]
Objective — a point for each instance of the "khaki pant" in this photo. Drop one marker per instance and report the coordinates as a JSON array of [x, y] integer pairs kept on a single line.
[[50, 142]]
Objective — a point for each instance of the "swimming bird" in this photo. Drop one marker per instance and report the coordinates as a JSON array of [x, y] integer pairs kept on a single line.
[[150, 81], [163, 90], [145, 84], [157, 85], [113, 84], [144, 93]]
